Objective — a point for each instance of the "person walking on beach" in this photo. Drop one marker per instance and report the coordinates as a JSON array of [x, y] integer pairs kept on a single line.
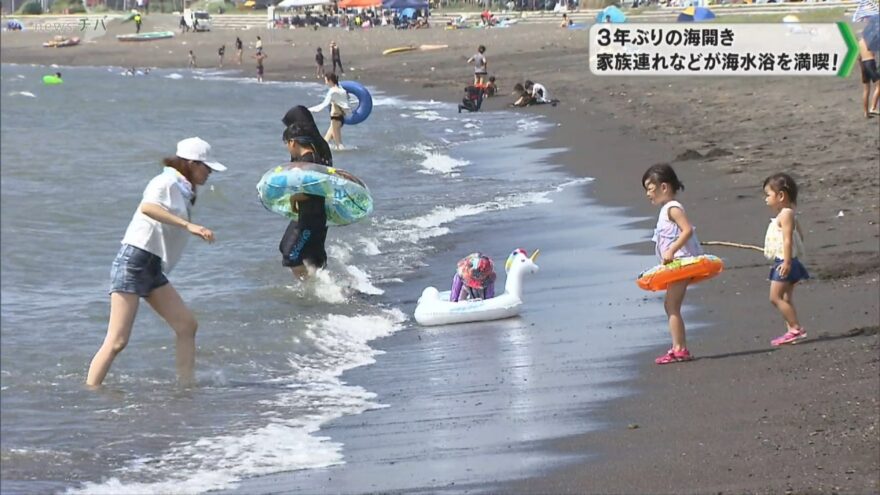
[[784, 244], [137, 22], [336, 57], [675, 237], [337, 98], [192, 60], [220, 52], [239, 49], [302, 245], [152, 246], [481, 67], [260, 56], [319, 63], [259, 45]]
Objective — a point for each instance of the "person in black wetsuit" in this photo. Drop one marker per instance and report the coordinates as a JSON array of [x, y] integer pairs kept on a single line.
[[302, 246]]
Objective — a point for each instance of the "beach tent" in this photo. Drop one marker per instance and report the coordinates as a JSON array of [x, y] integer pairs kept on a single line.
[[695, 14], [359, 4], [405, 4], [287, 4], [612, 14]]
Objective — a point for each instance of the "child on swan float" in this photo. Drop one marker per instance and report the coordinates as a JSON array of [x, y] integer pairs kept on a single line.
[[474, 278]]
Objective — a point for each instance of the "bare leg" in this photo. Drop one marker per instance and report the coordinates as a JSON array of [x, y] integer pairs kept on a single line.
[[123, 309], [167, 303], [782, 296], [336, 129], [674, 298], [866, 91], [300, 272], [875, 101]]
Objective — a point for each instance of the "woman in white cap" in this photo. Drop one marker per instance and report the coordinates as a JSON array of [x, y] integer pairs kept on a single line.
[[152, 245]]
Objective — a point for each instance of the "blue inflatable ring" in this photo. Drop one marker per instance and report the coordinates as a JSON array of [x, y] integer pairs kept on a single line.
[[365, 102]]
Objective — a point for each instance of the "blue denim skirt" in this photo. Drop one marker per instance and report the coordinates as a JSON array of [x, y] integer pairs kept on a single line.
[[797, 273], [136, 271]]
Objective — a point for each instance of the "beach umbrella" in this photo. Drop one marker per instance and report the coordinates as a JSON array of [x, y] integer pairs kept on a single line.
[[695, 14], [348, 4], [612, 14], [405, 4]]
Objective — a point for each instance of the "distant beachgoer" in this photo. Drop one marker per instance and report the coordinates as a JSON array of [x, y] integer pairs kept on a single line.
[[336, 57], [137, 22], [220, 52], [538, 92], [337, 98], [473, 99], [259, 45], [153, 244], [675, 237], [192, 60], [319, 63], [474, 278], [522, 98], [784, 244], [481, 66], [58, 75], [260, 56], [565, 21], [302, 246], [239, 48], [491, 88], [869, 46], [184, 27]]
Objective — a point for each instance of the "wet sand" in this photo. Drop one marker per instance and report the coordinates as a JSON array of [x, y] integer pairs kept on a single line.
[[744, 417]]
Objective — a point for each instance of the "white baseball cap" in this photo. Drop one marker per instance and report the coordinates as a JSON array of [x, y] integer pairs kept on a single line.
[[197, 149]]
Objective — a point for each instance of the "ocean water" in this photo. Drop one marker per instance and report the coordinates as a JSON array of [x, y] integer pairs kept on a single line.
[[274, 355]]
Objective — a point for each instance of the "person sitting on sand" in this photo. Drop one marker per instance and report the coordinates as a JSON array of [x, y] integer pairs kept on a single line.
[[566, 22], [473, 99], [538, 92], [522, 97], [491, 88], [474, 278]]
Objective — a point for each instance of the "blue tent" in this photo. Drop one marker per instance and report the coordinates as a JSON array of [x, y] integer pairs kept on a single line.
[[695, 14], [408, 13], [612, 14], [405, 4]]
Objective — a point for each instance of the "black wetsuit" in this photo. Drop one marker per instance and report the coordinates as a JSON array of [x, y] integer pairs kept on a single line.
[[304, 238]]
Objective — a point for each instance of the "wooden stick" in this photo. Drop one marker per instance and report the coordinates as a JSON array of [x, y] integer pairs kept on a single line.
[[732, 244]]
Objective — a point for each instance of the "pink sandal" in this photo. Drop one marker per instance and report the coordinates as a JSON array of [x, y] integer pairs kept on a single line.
[[673, 356], [792, 336]]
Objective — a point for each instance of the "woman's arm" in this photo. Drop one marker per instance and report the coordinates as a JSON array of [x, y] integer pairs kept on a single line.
[[678, 216], [160, 214], [323, 104]]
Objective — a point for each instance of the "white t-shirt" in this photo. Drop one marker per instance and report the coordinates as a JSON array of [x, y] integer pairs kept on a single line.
[[336, 96], [540, 92], [165, 241]]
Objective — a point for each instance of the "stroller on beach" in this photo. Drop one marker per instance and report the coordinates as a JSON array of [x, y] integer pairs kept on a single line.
[[473, 99]]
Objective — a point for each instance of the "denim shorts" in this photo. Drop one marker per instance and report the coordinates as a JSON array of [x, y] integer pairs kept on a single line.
[[136, 271], [797, 273]]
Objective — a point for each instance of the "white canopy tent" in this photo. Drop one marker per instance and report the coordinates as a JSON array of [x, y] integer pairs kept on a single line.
[[286, 4]]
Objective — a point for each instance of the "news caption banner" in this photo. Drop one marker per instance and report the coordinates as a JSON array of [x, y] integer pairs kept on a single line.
[[788, 49]]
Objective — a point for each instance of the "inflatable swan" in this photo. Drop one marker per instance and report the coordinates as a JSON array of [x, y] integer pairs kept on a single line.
[[434, 307]]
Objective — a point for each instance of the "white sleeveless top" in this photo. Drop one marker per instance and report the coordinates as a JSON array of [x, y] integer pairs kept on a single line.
[[774, 243]]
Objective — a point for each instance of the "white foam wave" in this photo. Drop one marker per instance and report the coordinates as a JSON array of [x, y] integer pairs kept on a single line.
[[429, 115], [433, 224], [436, 162], [173, 75], [288, 442], [371, 246], [23, 93], [361, 281]]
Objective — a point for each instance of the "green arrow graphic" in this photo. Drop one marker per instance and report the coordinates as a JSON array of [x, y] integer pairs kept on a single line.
[[852, 51]]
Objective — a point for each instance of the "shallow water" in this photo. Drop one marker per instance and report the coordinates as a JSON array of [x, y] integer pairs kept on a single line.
[[272, 353]]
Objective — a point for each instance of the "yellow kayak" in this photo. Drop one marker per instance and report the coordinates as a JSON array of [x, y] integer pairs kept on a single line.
[[399, 49]]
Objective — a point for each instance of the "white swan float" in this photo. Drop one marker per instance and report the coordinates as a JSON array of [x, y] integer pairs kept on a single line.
[[435, 308]]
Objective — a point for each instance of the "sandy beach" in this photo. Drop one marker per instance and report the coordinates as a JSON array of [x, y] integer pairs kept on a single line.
[[744, 417]]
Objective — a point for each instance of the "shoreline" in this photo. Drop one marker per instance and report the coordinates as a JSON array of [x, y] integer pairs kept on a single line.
[[754, 418]]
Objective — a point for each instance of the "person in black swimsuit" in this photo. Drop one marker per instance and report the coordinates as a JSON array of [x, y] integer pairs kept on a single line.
[[302, 246]]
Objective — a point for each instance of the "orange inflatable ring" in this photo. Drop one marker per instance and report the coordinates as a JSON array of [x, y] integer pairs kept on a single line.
[[695, 268]]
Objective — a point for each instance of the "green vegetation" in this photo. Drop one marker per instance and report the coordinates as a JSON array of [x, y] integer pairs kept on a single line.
[[68, 6], [818, 15], [31, 8]]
